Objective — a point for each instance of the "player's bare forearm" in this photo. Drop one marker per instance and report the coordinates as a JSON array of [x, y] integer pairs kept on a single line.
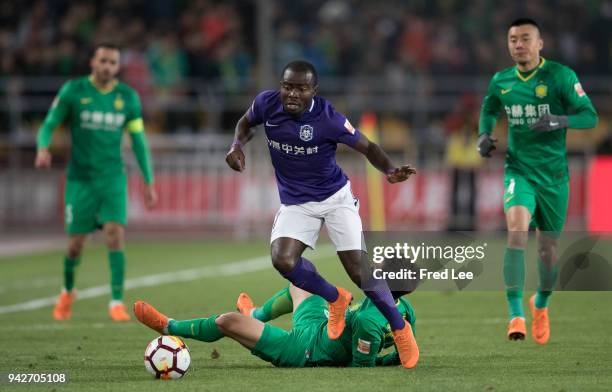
[[374, 154], [235, 157], [380, 160], [244, 131]]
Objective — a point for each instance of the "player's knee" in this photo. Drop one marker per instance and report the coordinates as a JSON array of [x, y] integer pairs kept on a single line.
[[114, 236], [75, 248], [284, 261], [517, 239], [226, 321], [547, 254]]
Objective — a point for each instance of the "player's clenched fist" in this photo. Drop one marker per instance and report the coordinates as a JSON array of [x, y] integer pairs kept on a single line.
[[235, 158], [400, 174], [43, 159]]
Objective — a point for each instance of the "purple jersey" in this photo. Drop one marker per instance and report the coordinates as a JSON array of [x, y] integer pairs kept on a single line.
[[303, 150]]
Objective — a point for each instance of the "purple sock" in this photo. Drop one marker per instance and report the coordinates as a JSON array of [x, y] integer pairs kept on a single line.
[[380, 294], [305, 276]]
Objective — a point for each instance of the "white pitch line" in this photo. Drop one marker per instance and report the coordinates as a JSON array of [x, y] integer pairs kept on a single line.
[[420, 323], [229, 269]]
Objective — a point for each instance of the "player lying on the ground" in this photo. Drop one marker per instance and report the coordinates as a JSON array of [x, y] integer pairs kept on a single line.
[[366, 334]]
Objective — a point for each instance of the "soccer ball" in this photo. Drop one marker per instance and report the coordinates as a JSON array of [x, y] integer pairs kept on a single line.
[[167, 357]]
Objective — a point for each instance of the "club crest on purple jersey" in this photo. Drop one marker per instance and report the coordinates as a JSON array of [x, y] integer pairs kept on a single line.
[[306, 133]]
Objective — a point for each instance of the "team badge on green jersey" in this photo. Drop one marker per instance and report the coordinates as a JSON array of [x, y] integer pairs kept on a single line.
[[119, 103], [541, 90]]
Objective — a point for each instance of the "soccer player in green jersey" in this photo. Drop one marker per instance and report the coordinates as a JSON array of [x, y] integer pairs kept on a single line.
[[541, 99], [97, 109], [366, 334]]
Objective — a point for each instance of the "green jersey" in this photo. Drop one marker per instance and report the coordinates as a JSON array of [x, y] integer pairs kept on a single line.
[[551, 88], [370, 332], [96, 120], [366, 334]]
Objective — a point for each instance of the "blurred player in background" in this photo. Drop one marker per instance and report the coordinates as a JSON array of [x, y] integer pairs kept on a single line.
[[303, 131], [542, 99], [306, 345], [97, 108]]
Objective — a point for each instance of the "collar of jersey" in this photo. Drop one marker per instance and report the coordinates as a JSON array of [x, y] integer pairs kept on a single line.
[[103, 90], [523, 78]]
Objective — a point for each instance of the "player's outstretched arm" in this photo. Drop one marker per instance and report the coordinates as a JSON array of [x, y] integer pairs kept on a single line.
[[380, 160], [235, 156]]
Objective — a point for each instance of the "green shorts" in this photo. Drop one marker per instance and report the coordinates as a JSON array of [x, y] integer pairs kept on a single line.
[[546, 204], [92, 202], [292, 348]]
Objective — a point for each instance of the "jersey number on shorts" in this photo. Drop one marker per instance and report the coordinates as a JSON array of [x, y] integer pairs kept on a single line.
[[511, 186]]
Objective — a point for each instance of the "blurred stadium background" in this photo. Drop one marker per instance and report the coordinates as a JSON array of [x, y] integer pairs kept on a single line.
[[411, 73]]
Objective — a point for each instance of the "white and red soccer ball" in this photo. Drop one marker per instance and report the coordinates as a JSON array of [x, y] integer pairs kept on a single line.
[[167, 358]]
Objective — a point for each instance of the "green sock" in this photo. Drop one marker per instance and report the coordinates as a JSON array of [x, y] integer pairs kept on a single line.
[[277, 305], [548, 279], [116, 260], [69, 267], [203, 329], [514, 278]]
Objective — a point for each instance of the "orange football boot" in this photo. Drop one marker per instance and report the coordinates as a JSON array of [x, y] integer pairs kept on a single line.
[[517, 329], [406, 346], [151, 317], [540, 326], [63, 306], [337, 322], [245, 305], [118, 312]]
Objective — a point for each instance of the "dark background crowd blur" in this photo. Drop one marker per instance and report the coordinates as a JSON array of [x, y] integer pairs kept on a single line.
[[168, 41], [422, 65]]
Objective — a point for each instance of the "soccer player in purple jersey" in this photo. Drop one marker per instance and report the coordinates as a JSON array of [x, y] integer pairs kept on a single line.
[[303, 131]]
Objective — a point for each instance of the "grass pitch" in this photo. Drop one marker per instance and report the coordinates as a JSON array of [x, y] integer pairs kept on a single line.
[[461, 335]]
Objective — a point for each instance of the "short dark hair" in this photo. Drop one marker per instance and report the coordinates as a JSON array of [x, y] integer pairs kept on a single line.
[[105, 45], [302, 66], [524, 21]]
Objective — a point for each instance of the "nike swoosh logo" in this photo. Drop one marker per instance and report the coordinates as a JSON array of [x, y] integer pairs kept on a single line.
[[505, 91], [508, 199], [554, 124], [271, 125]]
